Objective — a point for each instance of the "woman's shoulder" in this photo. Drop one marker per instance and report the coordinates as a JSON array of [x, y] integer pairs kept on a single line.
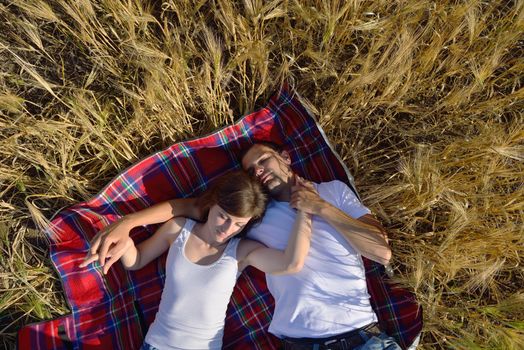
[[174, 228], [178, 223]]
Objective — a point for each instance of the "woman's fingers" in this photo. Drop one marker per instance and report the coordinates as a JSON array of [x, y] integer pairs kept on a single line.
[[88, 260], [95, 242], [94, 257], [99, 237], [108, 264], [104, 249], [115, 254]]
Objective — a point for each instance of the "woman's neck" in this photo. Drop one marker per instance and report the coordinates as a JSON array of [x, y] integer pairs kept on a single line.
[[203, 232]]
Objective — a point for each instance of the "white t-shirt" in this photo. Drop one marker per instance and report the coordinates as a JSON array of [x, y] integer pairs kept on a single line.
[[329, 296]]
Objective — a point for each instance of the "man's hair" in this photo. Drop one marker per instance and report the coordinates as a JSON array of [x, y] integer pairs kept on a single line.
[[239, 194], [274, 146]]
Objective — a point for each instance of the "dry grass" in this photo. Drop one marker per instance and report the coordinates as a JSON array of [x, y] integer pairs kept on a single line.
[[423, 99]]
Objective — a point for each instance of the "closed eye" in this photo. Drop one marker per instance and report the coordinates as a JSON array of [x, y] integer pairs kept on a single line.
[[264, 160]]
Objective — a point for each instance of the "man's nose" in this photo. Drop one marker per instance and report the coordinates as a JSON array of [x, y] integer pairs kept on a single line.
[[259, 170]]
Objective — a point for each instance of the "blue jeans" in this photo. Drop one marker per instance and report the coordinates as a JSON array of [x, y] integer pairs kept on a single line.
[[380, 342], [146, 346]]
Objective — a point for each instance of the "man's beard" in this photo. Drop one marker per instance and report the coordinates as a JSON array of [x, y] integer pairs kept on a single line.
[[275, 186], [278, 183]]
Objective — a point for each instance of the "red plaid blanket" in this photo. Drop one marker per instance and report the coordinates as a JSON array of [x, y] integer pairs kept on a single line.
[[114, 311]]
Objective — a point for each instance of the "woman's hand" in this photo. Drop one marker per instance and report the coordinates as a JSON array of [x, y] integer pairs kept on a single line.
[[110, 243], [126, 244], [305, 197]]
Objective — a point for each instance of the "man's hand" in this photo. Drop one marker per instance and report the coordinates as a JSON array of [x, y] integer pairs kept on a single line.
[[110, 243], [305, 197]]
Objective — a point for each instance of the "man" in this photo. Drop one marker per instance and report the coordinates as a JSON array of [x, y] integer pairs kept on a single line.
[[328, 300], [326, 305]]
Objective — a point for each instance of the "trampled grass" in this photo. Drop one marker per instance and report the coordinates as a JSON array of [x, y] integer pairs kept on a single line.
[[424, 100]]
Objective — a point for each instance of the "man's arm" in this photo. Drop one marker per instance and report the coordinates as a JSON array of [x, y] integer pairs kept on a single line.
[[371, 220], [367, 239], [365, 234], [111, 241]]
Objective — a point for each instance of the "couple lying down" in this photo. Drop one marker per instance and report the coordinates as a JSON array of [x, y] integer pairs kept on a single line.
[[309, 242]]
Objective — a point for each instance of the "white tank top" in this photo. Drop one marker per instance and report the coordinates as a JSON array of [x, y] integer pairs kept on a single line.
[[194, 300]]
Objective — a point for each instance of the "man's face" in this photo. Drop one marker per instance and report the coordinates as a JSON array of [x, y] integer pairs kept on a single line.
[[269, 167]]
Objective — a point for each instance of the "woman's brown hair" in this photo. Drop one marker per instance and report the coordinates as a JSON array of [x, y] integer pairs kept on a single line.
[[239, 194]]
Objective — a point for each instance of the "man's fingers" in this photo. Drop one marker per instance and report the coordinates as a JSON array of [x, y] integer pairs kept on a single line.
[[302, 184], [298, 195], [299, 188], [302, 181], [307, 184], [310, 185], [295, 189]]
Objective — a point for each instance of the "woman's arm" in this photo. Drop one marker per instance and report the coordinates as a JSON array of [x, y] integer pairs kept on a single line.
[[135, 257], [112, 241], [275, 261]]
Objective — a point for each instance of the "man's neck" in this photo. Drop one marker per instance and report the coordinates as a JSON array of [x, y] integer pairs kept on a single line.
[[284, 196], [284, 193]]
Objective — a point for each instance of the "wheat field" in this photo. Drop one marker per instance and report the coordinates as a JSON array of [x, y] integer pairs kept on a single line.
[[423, 100]]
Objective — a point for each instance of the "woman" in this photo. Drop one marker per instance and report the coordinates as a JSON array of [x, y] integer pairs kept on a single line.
[[204, 260]]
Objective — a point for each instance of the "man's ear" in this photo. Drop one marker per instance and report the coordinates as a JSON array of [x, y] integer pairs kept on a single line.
[[286, 157]]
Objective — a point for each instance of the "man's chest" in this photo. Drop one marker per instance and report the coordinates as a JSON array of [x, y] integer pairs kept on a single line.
[[277, 226]]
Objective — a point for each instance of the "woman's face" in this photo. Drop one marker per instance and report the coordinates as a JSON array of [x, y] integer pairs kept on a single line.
[[223, 225]]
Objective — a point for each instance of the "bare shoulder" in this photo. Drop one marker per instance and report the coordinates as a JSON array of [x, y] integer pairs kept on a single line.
[[171, 228], [246, 246], [178, 222]]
